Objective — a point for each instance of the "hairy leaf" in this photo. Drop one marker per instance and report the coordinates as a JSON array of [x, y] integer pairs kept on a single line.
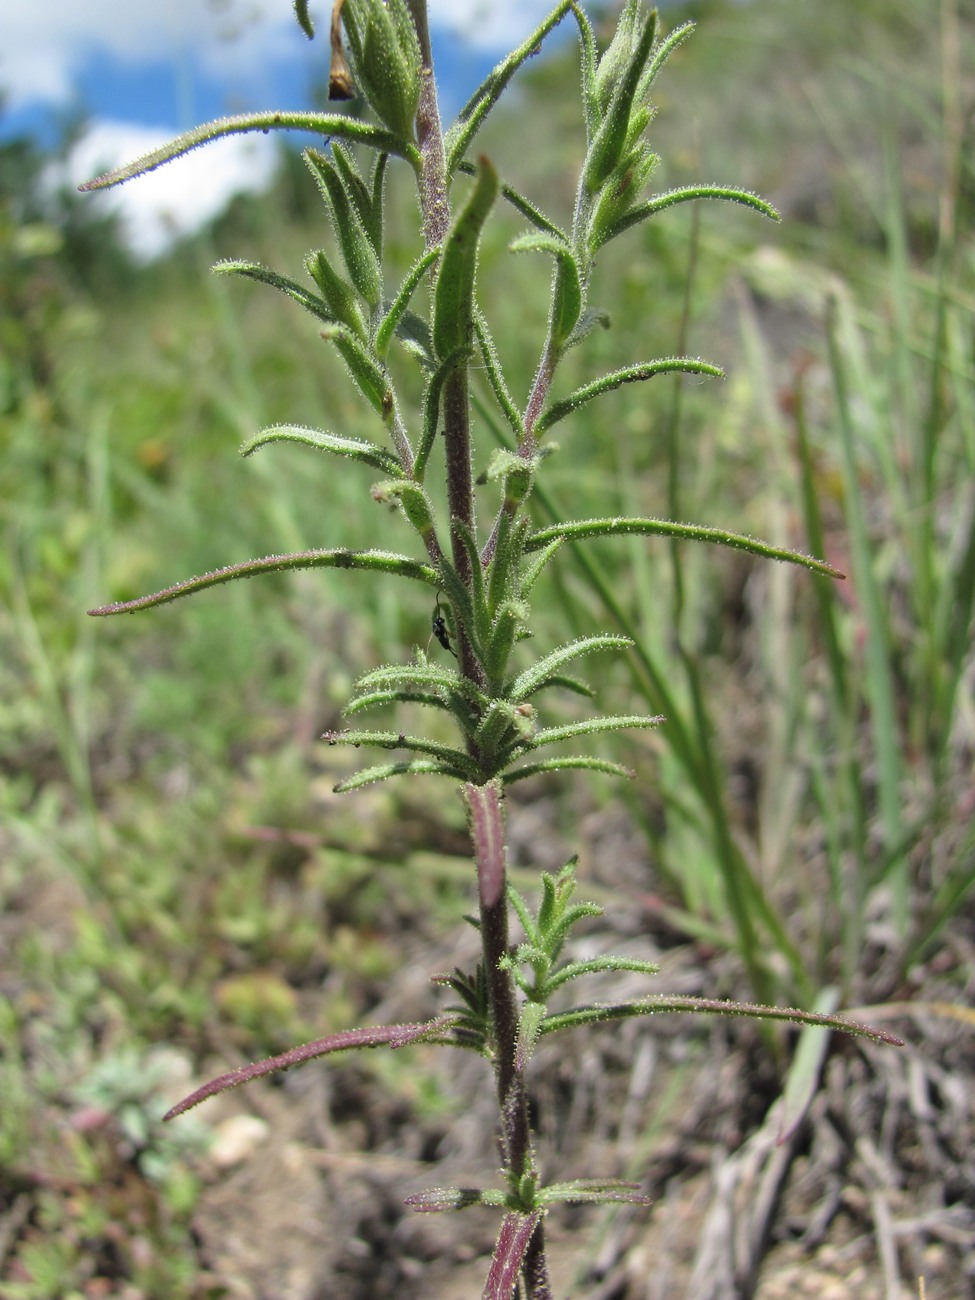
[[325, 124]]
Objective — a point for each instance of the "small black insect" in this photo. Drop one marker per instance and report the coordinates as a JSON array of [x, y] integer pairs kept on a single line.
[[439, 625]]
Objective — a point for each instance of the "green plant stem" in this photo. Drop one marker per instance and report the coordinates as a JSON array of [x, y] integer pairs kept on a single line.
[[486, 809], [485, 802], [460, 497]]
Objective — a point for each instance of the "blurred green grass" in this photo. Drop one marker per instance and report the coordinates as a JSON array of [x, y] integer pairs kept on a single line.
[[173, 870]]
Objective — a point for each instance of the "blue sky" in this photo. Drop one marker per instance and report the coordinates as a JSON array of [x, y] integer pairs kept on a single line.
[[140, 71]]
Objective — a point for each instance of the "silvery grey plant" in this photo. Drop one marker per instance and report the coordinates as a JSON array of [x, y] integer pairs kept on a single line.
[[480, 566]]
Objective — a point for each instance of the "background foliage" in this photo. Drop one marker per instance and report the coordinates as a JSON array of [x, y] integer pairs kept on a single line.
[[177, 881]]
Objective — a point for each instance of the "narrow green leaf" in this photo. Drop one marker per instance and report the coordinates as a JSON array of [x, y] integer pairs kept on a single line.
[[367, 452], [264, 275], [431, 410], [447, 679], [581, 763], [566, 290], [573, 684], [628, 375], [398, 306], [361, 258], [359, 194], [614, 132], [504, 572], [492, 366], [482, 616], [581, 530], [304, 18], [592, 1191], [461, 603], [378, 187], [521, 907], [455, 759], [417, 767], [438, 1199], [553, 735], [529, 1027], [524, 205], [612, 65], [339, 296], [526, 683], [326, 124], [661, 54], [414, 334], [509, 619], [590, 95], [689, 194], [341, 558], [377, 699], [596, 965], [666, 1002], [368, 375], [471, 117], [453, 320], [534, 571]]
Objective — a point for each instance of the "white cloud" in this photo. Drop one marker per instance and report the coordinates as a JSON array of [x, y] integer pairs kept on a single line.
[[175, 200], [235, 41], [497, 25], [44, 44]]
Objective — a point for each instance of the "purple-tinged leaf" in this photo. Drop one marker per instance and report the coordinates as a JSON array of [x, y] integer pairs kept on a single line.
[[509, 1252], [337, 558], [435, 1200], [346, 1041]]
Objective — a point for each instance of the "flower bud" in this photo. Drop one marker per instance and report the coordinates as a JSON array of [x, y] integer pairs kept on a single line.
[[386, 60]]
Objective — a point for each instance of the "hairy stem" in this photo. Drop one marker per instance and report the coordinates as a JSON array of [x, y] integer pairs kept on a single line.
[[433, 161], [486, 809]]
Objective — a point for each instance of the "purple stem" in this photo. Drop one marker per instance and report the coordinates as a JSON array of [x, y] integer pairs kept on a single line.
[[486, 808]]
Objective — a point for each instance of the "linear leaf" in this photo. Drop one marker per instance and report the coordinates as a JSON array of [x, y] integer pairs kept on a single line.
[[431, 409], [472, 115], [322, 441], [326, 124], [580, 763], [581, 530], [689, 194], [589, 726], [523, 205], [304, 18], [339, 558], [376, 699], [398, 306], [661, 54], [415, 767], [453, 317], [581, 1191], [567, 287], [264, 275], [628, 375], [492, 365], [456, 759], [655, 1004], [423, 675], [619, 722], [514, 1238], [528, 681], [346, 1040]]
